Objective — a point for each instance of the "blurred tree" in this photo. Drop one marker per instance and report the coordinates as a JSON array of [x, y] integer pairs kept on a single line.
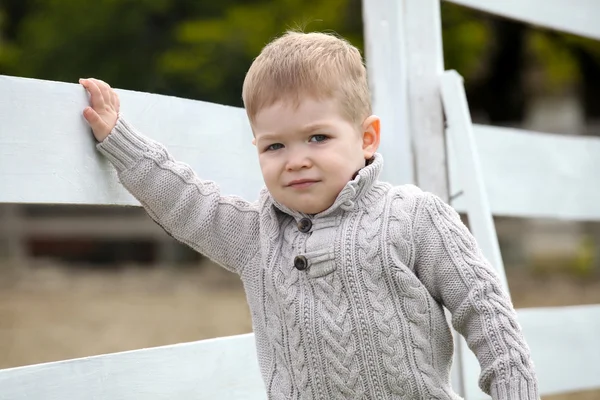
[[488, 52], [586, 53], [211, 55]]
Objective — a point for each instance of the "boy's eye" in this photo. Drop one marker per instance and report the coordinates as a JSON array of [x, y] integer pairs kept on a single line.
[[274, 146], [318, 138]]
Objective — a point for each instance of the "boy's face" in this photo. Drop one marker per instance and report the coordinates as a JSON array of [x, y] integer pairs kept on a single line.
[[308, 154]]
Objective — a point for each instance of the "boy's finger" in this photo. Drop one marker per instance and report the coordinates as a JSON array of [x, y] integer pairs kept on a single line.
[[91, 116], [104, 89], [93, 119], [114, 99], [96, 98]]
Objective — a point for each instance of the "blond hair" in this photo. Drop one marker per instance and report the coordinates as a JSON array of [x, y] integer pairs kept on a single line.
[[318, 65]]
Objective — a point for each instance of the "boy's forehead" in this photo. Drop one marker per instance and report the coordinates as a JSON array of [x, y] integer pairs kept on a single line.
[[308, 114]]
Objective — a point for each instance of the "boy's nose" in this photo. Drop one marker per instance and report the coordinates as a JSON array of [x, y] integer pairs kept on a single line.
[[297, 161]]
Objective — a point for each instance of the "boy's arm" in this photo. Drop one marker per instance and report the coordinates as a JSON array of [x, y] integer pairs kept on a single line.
[[452, 267], [190, 209]]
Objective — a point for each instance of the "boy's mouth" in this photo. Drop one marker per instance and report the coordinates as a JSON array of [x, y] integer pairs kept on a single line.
[[302, 183]]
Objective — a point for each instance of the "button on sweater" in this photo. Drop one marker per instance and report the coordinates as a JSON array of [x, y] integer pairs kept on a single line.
[[348, 303]]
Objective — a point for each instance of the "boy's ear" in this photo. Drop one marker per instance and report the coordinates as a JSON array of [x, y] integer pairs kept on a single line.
[[370, 136]]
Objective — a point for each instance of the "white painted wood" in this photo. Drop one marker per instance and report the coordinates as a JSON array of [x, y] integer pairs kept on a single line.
[[536, 175], [42, 121], [515, 163], [460, 136], [579, 17], [388, 81], [425, 64], [223, 368], [564, 346]]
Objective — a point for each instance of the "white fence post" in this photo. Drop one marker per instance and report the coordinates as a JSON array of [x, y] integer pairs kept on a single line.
[[425, 64], [386, 61]]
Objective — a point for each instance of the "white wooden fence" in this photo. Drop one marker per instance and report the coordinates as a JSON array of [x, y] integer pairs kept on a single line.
[[47, 155]]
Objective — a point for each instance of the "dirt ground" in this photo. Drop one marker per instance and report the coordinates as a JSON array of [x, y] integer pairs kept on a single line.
[[49, 313]]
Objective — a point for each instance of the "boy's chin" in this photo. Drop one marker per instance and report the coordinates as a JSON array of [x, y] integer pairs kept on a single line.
[[311, 209], [303, 207]]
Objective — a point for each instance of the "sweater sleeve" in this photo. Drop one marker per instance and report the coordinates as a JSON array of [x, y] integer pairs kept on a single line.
[[190, 209], [452, 267]]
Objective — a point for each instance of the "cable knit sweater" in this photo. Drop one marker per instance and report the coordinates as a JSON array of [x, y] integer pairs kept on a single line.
[[348, 303]]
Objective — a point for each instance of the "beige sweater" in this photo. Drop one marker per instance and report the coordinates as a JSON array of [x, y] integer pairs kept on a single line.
[[348, 303]]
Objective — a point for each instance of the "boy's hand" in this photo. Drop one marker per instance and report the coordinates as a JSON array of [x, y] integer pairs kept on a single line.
[[104, 110]]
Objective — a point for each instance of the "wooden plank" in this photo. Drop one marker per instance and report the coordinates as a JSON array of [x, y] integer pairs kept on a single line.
[[42, 122], [386, 62], [223, 368], [580, 17], [564, 347], [515, 163], [536, 175], [425, 64], [469, 174]]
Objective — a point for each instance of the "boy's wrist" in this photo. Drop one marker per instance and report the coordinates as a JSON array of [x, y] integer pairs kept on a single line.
[[123, 146], [515, 388]]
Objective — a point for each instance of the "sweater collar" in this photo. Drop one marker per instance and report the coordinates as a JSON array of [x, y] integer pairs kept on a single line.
[[355, 192]]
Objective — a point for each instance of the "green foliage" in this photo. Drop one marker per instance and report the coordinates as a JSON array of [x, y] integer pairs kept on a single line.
[[556, 60], [584, 262], [466, 37], [8, 51]]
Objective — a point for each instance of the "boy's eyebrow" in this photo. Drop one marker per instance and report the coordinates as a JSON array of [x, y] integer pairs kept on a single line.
[[267, 137], [313, 127]]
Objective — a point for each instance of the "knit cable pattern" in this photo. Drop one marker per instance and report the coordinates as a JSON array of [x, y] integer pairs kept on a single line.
[[336, 338], [384, 315]]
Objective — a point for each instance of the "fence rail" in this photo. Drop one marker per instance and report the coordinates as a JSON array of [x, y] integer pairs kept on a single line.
[[210, 369], [578, 17], [69, 170]]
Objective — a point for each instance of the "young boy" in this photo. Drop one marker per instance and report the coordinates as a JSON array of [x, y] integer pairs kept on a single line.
[[345, 276]]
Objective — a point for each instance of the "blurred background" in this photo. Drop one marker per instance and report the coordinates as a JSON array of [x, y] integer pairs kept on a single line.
[[91, 280]]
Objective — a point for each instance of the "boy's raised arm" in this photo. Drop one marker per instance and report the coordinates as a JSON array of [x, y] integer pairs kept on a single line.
[[191, 210], [452, 267]]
